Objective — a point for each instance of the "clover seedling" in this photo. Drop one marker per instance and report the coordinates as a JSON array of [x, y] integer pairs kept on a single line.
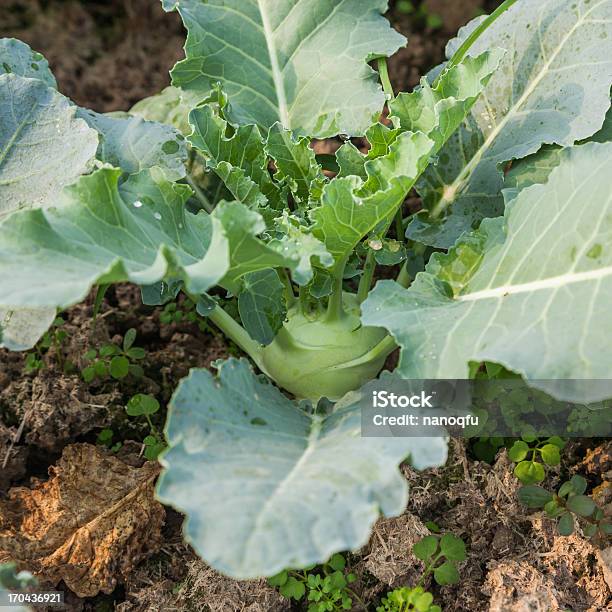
[[105, 438], [525, 454], [146, 406], [406, 598], [114, 361], [567, 506], [325, 591], [441, 555]]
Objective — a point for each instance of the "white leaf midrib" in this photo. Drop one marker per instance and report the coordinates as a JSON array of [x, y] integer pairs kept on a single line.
[[553, 282], [277, 75]]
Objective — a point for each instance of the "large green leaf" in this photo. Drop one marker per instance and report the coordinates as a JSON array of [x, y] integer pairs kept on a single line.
[[553, 86], [43, 147], [266, 485], [299, 62], [530, 291], [21, 329], [134, 145], [351, 208], [102, 232], [17, 58]]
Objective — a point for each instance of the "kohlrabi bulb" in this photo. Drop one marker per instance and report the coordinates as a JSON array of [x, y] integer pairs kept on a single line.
[[326, 358]]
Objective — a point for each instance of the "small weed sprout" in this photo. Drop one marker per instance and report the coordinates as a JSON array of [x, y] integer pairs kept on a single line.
[[114, 361], [52, 339], [325, 591], [184, 312], [526, 452], [147, 405], [105, 438], [568, 506], [440, 553]]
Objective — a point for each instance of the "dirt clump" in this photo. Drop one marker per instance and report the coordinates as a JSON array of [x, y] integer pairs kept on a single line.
[[88, 525]]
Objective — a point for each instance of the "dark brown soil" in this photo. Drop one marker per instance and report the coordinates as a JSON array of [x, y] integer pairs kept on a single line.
[[107, 55]]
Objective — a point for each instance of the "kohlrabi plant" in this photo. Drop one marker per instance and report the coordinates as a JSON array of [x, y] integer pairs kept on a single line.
[[213, 188]]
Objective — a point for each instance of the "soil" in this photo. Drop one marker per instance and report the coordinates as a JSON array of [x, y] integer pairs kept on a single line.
[[106, 56]]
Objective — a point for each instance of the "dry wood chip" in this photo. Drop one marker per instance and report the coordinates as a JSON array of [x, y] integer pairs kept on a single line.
[[93, 520]]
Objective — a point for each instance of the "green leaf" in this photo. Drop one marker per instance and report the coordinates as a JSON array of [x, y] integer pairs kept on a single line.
[[518, 451], [446, 574], [129, 339], [133, 144], [550, 454], [440, 110], [239, 160], [261, 305], [452, 547], [243, 485], [17, 58], [43, 147], [171, 106], [294, 160], [275, 57], [102, 232], [119, 367], [579, 484], [527, 303], [279, 579], [337, 562], [426, 548], [566, 524], [141, 404], [350, 208], [293, 589], [248, 253], [553, 86], [581, 504], [351, 161], [529, 472], [21, 329], [533, 496]]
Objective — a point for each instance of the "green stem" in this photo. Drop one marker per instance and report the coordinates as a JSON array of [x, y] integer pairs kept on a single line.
[[289, 293], [335, 307], [235, 332], [429, 569], [385, 347], [399, 223], [403, 278], [383, 71], [473, 37], [365, 282], [208, 207]]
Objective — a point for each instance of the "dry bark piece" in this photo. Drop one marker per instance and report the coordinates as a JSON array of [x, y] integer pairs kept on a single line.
[[92, 521]]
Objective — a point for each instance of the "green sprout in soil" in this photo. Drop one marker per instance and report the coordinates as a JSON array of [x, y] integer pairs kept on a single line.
[[324, 590], [54, 339], [568, 506], [441, 554], [114, 361], [146, 406]]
